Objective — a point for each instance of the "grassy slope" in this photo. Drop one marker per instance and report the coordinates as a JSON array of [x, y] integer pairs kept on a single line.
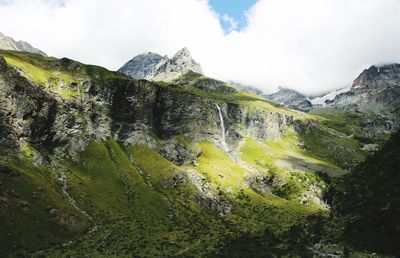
[[58, 75], [348, 123], [225, 94], [33, 228], [368, 201], [284, 161], [333, 141], [157, 220]]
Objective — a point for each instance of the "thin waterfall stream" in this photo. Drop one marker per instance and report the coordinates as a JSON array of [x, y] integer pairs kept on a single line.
[[222, 126], [57, 168]]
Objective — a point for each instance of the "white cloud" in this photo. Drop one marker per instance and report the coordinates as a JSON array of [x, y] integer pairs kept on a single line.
[[309, 45], [231, 21]]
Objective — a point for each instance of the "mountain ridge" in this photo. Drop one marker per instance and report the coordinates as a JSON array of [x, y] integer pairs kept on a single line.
[[290, 98], [8, 43], [151, 66], [376, 89]]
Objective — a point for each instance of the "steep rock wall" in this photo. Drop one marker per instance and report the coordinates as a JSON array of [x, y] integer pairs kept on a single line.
[[130, 111]]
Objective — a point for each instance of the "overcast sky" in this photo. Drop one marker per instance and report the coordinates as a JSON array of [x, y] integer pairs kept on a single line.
[[309, 45]]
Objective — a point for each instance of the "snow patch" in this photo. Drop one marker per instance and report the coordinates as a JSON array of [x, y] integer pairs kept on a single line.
[[320, 101]]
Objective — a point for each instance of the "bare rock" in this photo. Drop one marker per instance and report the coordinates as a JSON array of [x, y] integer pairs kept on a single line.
[[151, 66]]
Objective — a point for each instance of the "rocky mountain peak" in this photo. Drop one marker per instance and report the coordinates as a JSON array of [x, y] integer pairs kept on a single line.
[[376, 89], [149, 55], [143, 66], [183, 53], [378, 76], [152, 66], [8, 43]]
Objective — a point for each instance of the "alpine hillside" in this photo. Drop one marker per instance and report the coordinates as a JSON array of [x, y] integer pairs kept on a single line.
[[158, 160]]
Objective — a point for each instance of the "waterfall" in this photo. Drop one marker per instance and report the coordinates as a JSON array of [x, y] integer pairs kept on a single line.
[[222, 126]]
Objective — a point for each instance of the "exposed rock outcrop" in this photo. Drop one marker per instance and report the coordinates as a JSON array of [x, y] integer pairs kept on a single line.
[[133, 112], [155, 67], [290, 98], [376, 89], [144, 66]]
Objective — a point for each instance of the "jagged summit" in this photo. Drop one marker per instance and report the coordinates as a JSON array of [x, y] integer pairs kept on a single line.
[[183, 53], [8, 43], [378, 76], [144, 66], [375, 89], [152, 66]]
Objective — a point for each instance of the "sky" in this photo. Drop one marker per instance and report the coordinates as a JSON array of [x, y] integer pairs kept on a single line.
[[232, 13], [312, 46]]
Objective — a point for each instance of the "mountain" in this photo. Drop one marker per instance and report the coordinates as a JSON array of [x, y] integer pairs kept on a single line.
[[155, 67], [328, 97], [144, 66], [376, 89], [246, 88], [375, 98], [378, 77], [119, 166], [96, 163], [371, 105], [8, 43], [290, 98]]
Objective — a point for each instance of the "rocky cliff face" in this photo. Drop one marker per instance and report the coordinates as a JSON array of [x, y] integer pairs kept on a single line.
[[144, 66], [378, 77], [152, 66], [291, 99], [8, 43], [127, 110], [376, 89]]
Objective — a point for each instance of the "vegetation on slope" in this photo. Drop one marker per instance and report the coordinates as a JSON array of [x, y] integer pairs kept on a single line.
[[34, 213], [131, 195], [61, 76], [291, 172], [223, 93], [368, 201], [349, 123]]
